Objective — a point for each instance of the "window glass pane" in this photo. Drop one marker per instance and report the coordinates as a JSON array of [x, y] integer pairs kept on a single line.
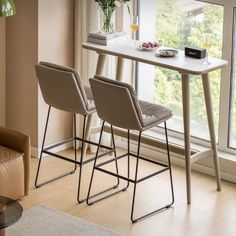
[[180, 23], [232, 138]]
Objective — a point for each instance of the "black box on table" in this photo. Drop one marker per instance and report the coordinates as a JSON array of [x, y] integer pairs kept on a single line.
[[198, 53]]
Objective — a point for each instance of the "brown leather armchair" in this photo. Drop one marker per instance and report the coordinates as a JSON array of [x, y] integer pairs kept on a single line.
[[14, 163]]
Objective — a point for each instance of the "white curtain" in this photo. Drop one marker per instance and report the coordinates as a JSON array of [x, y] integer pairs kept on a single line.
[[88, 18]]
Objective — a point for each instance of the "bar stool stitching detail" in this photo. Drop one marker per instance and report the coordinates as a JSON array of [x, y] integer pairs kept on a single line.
[[63, 89], [117, 104]]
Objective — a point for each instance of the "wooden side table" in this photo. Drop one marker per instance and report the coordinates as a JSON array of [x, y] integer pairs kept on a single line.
[[10, 212]]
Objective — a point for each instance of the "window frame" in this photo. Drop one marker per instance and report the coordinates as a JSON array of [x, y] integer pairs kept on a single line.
[[226, 79]]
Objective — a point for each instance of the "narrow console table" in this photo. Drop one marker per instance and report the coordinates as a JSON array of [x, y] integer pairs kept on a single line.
[[185, 66]]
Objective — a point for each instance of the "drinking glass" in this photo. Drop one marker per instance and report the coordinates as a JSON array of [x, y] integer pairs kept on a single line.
[[207, 45], [134, 28]]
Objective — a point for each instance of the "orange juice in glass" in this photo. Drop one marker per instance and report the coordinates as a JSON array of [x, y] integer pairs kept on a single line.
[[134, 28], [207, 44]]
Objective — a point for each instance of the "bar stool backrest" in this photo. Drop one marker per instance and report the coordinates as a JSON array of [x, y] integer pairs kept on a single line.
[[116, 102], [62, 87]]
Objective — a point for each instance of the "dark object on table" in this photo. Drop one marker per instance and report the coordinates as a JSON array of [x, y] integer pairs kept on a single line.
[[198, 53], [11, 213]]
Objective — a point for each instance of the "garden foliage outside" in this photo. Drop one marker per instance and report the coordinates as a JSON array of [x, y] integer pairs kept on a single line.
[[179, 29]]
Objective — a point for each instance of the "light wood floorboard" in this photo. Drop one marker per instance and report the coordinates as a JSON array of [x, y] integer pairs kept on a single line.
[[211, 212]]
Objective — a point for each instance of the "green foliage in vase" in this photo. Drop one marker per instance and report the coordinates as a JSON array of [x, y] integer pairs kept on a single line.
[[108, 7], [7, 8]]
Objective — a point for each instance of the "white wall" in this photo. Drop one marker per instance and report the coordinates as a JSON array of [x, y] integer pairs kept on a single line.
[[40, 30]]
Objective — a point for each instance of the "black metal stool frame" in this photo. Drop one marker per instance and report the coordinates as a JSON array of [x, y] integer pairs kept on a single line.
[[75, 161], [135, 181]]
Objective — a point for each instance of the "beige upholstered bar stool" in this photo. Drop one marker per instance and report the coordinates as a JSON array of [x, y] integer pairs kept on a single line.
[[117, 104], [63, 89]]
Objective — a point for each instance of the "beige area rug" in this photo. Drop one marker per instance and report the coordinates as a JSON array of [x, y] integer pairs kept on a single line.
[[44, 221]]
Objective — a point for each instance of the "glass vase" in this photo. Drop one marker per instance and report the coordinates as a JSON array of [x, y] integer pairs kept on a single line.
[[107, 24]]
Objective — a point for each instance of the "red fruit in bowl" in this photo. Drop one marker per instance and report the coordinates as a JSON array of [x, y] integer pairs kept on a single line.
[[145, 45], [155, 44], [149, 45]]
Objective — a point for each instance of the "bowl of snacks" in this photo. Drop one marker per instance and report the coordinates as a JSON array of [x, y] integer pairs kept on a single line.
[[148, 46], [166, 52]]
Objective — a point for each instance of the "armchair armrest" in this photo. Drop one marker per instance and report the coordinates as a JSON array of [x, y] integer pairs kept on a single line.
[[21, 143]]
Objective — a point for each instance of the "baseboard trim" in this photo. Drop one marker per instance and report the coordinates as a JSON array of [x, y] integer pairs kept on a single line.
[[178, 160]]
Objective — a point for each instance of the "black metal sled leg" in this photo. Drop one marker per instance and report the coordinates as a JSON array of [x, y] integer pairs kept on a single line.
[[81, 163], [135, 180], [92, 175], [128, 160], [115, 154], [136, 174], [169, 163], [45, 150], [75, 146]]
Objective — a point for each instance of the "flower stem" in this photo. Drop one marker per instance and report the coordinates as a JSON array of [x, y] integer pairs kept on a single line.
[[107, 24]]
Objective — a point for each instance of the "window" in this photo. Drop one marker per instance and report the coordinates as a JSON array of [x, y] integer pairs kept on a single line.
[[232, 137], [180, 23]]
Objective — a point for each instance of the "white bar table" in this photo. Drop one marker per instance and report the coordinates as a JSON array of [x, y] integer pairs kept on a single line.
[[185, 66]]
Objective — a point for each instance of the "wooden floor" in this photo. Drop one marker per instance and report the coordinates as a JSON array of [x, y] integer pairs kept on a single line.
[[211, 212]]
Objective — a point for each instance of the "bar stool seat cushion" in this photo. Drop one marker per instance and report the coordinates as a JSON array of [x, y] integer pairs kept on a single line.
[[153, 114]]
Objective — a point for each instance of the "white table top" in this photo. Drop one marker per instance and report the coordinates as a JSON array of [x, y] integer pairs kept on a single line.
[[181, 63]]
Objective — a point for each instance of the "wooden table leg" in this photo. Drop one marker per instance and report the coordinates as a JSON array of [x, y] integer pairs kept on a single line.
[[208, 102], [87, 132], [2, 232], [187, 138], [119, 68], [100, 64], [99, 71]]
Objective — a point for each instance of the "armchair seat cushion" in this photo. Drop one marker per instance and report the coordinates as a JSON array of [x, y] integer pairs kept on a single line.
[[14, 163], [11, 173], [7, 154]]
